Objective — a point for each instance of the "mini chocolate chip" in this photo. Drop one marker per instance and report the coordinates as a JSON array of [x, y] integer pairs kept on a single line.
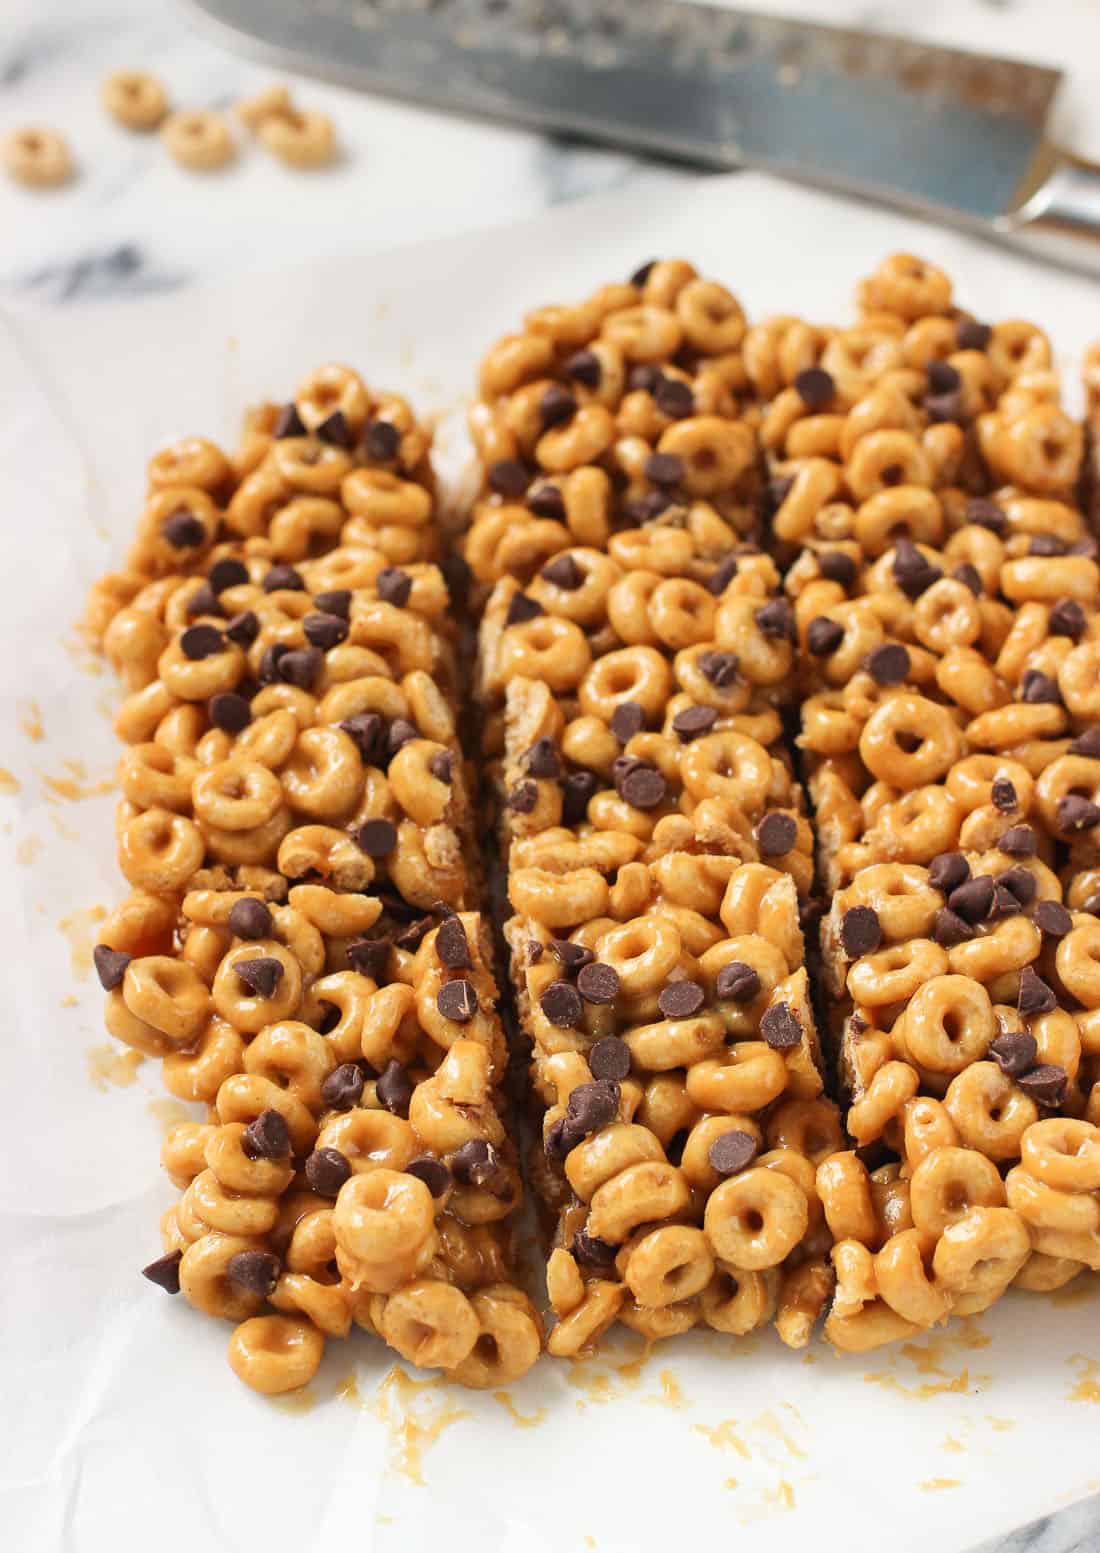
[[576, 793], [458, 1000], [535, 951], [1052, 919], [475, 1163], [250, 918], [327, 1170], [288, 423], [737, 982], [324, 631], [570, 955], [722, 575], [1014, 1052], [394, 1087], [642, 273], [365, 730], [165, 1272], [947, 871], [563, 572], [718, 667], [414, 934], [972, 900], [508, 477], [368, 956], [561, 1004], [1076, 813], [943, 378], [1067, 618], [377, 837], [627, 719], [860, 931], [433, 1172], [546, 501], [1020, 882], [452, 946], [674, 398], [609, 1058], [732, 1151], [199, 642], [301, 667], [949, 928], [559, 1140], [986, 514], [400, 733], [1047, 545], [442, 766], [334, 429], [381, 441], [681, 999], [226, 573], [776, 619], [592, 1252], [913, 572], [204, 602], [335, 601], [256, 1271], [267, 1136], [229, 712], [243, 628], [888, 664], [592, 1106], [1039, 689], [598, 983], [1087, 744], [941, 408], [1046, 1084], [269, 663], [1004, 795], [522, 608], [110, 966], [1003, 904], [523, 797], [183, 531], [643, 788], [815, 387], [584, 367], [693, 721], [776, 833], [1091, 904], [283, 579], [1036, 997], [394, 586], [970, 335], [970, 577], [542, 759], [823, 636], [343, 1088], [557, 406], [664, 469], [837, 566], [780, 1027], [261, 976]]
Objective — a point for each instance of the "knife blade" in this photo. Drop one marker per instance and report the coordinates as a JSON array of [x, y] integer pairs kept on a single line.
[[945, 132]]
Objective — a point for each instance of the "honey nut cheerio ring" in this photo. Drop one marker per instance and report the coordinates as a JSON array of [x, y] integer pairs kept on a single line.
[[134, 98], [36, 157], [199, 140]]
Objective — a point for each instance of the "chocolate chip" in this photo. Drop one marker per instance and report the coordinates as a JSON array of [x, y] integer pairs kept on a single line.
[[1004, 795], [970, 577], [644, 378], [556, 406], [592, 1106], [546, 501], [508, 477], [267, 1136], [199, 642], [343, 1088], [1039, 689], [475, 1163], [737, 983], [598, 983], [400, 733], [970, 335], [732, 1151], [776, 619], [609, 1058], [229, 712], [377, 837], [837, 566], [947, 871], [681, 999], [110, 966], [523, 797], [972, 900], [261, 976], [226, 573], [336, 601], [243, 628], [452, 946], [250, 918], [433, 1172], [722, 575], [1087, 547], [558, 1141], [283, 579], [941, 408], [1052, 919], [780, 1028], [943, 378], [365, 730], [563, 572], [301, 667], [860, 931], [334, 429], [589, 1251], [288, 423], [1087, 744], [1046, 1084], [1020, 883], [1047, 545], [823, 636], [1067, 618], [522, 608], [718, 667], [643, 788], [986, 514], [1076, 813], [776, 834], [442, 766], [324, 631], [1036, 997], [414, 934], [913, 572], [569, 955], [674, 398], [535, 951], [627, 719], [542, 759], [394, 1087], [368, 956], [165, 1272], [1014, 1052], [693, 721], [256, 1271], [664, 469], [584, 367], [327, 1170], [394, 586], [949, 928], [183, 531], [815, 388], [576, 792], [888, 664], [203, 602], [457, 1000], [642, 273], [381, 441], [561, 1004]]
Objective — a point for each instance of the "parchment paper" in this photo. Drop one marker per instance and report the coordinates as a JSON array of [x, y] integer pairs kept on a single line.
[[120, 1424]]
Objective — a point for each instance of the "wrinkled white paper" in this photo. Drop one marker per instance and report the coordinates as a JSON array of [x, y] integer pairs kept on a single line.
[[121, 1425]]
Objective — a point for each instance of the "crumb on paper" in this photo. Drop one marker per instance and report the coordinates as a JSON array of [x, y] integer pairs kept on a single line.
[[724, 1436], [79, 928], [76, 784], [932, 1485], [169, 1113], [415, 1412], [108, 1067], [30, 721], [1001, 1425], [303, 1401], [9, 782], [1087, 1388], [671, 1393], [66, 832], [28, 849], [68, 1001], [521, 1420], [953, 1446]]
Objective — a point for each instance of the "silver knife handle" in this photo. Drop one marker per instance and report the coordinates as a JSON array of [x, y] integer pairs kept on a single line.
[[1061, 217]]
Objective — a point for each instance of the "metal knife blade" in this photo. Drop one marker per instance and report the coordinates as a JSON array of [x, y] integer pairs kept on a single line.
[[957, 135]]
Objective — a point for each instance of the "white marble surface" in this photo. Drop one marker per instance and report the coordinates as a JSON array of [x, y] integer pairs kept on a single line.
[[134, 223]]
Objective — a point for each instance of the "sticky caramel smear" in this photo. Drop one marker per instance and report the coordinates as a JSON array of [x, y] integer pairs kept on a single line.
[[109, 1067], [724, 1437], [169, 1113], [414, 1418], [28, 849], [521, 1420], [68, 1001], [347, 1390], [30, 721], [602, 1381], [83, 655], [79, 928], [931, 1485], [1001, 1425], [76, 784], [9, 782], [1087, 1388], [671, 1393], [303, 1401], [952, 1446], [959, 1383]]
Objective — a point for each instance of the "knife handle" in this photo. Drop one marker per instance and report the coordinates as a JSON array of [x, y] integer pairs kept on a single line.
[[1061, 218]]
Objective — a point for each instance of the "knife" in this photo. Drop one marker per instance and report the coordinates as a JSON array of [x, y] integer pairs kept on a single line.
[[952, 135]]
